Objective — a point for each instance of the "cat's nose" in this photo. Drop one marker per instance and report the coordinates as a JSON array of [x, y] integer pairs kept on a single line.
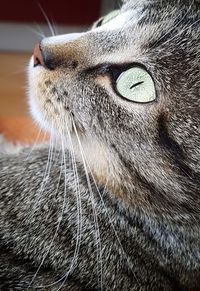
[[38, 58], [59, 51], [42, 57]]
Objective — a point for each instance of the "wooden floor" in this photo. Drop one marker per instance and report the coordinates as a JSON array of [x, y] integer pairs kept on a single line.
[[13, 84], [15, 121]]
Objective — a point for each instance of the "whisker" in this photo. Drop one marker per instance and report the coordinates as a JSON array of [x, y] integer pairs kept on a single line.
[[30, 152], [20, 71], [109, 217], [97, 231], [53, 239], [51, 28], [59, 179], [38, 32], [54, 27], [110, 220], [34, 145], [24, 163], [79, 214], [46, 174]]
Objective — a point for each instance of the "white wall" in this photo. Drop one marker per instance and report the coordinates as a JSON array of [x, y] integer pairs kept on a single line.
[[22, 37]]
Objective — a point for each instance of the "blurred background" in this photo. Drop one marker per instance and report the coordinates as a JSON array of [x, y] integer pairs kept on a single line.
[[22, 24]]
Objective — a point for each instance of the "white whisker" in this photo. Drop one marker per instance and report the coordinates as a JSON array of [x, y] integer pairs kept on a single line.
[[63, 159], [59, 179], [38, 32], [97, 231], [34, 145], [101, 198], [47, 20], [46, 173], [110, 221], [79, 214]]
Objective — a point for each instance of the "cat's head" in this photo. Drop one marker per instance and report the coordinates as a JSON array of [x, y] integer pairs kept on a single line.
[[129, 88]]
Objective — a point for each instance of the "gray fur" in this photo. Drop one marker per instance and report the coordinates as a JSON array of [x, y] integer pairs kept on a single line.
[[144, 158]]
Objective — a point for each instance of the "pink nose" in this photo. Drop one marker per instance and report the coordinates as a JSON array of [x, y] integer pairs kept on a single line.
[[37, 56]]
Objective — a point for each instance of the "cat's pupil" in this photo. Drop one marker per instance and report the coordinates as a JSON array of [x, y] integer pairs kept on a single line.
[[135, 85]]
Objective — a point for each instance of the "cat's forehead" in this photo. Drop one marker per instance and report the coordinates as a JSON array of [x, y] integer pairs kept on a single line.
[[158, 5], [137, 26], [135, 12]]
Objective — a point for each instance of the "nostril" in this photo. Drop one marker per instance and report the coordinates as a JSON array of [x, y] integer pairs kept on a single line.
[[37, 56], [42, 58]]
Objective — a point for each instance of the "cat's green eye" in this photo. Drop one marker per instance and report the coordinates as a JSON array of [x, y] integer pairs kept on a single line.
[[109, 17], [136, 85]]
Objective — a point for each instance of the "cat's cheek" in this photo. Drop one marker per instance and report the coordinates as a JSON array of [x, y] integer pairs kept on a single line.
[[36, 113], [51, 115]]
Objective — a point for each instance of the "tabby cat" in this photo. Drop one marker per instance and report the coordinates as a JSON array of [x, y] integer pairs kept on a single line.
[[113, 202]]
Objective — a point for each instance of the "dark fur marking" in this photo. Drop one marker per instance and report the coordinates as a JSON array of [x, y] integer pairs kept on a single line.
[[160, 198], [164, 199], [53, 90], [175, 152], [65, 93], [48, 83], [72, 64], [166, 141], [66, 108]]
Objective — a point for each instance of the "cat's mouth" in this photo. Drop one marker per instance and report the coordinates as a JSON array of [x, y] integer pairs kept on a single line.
[[48, 101], [53, 107]]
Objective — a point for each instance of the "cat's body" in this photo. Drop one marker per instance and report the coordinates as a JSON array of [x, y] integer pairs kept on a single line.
[[135, 260], [126, 214]]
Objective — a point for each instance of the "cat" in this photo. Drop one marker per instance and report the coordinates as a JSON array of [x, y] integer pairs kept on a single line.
[[113, 202]]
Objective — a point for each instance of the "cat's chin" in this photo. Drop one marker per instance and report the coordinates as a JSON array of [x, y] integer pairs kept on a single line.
[[52, 126]]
